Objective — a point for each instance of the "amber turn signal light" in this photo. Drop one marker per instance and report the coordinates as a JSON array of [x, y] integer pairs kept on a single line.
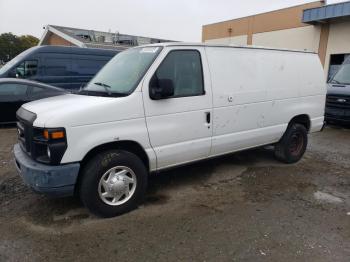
[[57, 135], [46, 134], [53, 135]]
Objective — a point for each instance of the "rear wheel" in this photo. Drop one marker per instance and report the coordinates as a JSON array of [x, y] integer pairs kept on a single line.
[[113, 182], [292, 146]]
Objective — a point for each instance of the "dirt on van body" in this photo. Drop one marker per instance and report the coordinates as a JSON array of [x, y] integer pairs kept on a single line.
[[245, 206]]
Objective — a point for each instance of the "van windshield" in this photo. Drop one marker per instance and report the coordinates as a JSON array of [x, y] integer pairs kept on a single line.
[[10, 64], [14, 61], [122, 74], [343, 75]]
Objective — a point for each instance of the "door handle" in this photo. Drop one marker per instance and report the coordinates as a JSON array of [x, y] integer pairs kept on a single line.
[[207, 116]]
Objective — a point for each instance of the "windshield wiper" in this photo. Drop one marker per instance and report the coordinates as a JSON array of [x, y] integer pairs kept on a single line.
[[106, 87], [87, 91], [335, 81]]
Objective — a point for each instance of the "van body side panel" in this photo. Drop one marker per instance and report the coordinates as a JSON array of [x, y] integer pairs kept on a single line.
[[55, 69], [232, 120], [304, 74], [315, 106], [84, 68], [257, 92], [313, 91], [239, 98]]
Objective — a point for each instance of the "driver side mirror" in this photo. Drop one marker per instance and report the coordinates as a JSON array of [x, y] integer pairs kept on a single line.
[[161, 88]]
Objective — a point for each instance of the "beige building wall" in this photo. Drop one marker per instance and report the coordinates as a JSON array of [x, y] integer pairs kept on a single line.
[[338, 41], [236, 40], [287, 18], [305, 38], [57, 40]]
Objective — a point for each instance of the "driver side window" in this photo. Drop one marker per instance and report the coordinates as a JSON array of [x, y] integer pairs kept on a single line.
[[27, 69], [184, 69], [13, 92]]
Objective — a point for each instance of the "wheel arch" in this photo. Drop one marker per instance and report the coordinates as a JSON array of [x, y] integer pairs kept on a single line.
[[302, 119], [127, 145]]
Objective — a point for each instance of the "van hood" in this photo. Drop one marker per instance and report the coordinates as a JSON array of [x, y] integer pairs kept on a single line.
[[78, 110], [338, 89]]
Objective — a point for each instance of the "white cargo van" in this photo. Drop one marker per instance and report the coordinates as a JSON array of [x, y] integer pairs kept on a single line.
[[160, 106]]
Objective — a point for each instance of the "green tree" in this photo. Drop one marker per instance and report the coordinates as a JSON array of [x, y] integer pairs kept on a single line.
[[12, 45], [28, 41]]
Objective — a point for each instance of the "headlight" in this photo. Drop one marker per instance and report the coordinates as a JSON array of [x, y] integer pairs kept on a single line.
[[49, 145]]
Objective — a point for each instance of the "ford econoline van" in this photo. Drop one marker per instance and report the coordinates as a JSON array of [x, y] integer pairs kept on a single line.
[[160, 106], [60, 66], [338, 96]]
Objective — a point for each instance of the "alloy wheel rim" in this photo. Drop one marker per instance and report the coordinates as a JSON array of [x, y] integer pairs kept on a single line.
[[117, 185], [296, 144]]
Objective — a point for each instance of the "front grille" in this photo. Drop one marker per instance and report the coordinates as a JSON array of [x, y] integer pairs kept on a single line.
[[338, 101], [21, 135], [25, 129], [25, 135]]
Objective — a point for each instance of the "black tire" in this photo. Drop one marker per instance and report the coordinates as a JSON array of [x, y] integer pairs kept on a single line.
[[97, 167], [292, 146]]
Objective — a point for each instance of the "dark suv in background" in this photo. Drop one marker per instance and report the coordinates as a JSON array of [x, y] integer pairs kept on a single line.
[[15, 92], [338, 96], [61, 66]]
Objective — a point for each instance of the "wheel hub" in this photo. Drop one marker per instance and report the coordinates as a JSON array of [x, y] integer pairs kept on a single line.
[[116, 186], [296, 144]]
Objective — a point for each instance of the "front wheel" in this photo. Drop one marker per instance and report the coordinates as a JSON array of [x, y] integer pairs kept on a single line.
[[113, 183], [292, 146]]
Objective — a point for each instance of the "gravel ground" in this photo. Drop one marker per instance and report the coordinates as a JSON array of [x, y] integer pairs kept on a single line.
[[245, 206]]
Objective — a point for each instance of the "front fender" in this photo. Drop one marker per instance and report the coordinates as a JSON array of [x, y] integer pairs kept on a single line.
[[82, 139]]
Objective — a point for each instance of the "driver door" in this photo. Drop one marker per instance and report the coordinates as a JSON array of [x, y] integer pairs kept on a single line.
[[180, 125]]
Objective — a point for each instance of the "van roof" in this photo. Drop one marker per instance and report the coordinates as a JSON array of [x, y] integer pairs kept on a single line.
[[229, 46], [72, 50]]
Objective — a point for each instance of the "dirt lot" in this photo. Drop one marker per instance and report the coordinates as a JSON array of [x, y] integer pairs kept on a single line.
[[245, 206]]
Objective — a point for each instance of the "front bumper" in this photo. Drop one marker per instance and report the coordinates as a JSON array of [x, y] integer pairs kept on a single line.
[[56, 181], [338, 115], [330, 119]]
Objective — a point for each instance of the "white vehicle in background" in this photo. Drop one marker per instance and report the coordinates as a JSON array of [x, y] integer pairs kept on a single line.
[[160, 106], [338, 96]]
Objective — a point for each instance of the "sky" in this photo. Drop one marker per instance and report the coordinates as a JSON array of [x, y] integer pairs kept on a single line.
[[179, 20]]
